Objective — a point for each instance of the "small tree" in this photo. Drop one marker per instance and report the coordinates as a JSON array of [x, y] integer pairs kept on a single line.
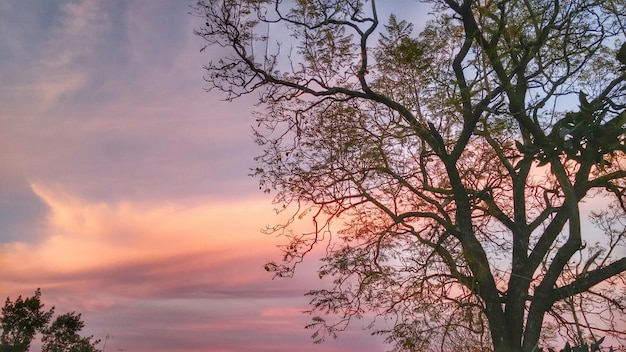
[[456, 159], [63, 335], [21, 320]]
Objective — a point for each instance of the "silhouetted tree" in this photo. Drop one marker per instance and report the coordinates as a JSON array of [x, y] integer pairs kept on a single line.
[[457, 161], [21, 320], [63, 335], [24, 318]]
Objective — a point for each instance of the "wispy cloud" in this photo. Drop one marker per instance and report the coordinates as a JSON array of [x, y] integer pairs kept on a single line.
[[57, 60]]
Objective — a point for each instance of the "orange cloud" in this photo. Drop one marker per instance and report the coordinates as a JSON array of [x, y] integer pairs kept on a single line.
[[91, 240], [166, 276]]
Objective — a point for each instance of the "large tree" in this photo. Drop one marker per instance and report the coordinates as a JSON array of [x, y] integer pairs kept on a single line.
[[460, 162]]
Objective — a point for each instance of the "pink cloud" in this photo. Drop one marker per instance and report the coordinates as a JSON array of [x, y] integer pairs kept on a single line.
[[163, 277], [278, 312], [164, 239]]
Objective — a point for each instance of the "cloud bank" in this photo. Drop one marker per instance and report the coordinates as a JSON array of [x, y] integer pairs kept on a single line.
[[164, 276]]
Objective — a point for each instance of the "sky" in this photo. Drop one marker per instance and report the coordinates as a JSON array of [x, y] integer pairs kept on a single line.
[[124, 187]]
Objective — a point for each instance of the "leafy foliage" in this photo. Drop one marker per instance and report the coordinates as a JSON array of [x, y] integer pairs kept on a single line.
[[22, 319], [63, 335], [594, 347]]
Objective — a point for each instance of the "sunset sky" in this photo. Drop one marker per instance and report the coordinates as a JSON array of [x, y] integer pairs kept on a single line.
[[124, 192]]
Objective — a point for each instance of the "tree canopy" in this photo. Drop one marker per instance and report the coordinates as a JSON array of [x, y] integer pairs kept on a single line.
[[63, 335], [23, 319], [448, 173]]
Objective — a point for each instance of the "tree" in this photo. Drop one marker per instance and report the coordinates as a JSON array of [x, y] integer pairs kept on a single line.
[[63, 335], [21, 320], [24, 318], [458, 162]]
